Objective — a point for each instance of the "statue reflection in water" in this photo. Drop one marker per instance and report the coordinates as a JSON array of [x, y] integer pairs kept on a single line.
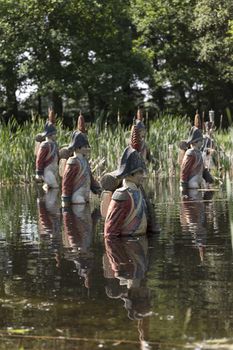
[[49, 214], [193, 217], [125, 265], [78, 231], [49, 229]]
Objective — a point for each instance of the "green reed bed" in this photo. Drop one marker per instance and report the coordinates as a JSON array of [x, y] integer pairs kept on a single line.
[[16, 156], [107, 146], [17, 159], [224, 139], [162, 133], [229, 187], [164, 136]]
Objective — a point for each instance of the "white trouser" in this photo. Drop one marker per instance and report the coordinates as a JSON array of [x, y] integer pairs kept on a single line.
[[50, 175], [82, 195], [195, 181]]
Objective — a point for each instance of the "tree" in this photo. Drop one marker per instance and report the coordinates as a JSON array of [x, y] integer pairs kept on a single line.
[[212, 21], [103, 64], [176, 36], [11, 55], [73, 49], [164, 34]]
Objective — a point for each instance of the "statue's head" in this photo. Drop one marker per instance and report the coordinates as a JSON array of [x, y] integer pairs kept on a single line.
[[131, 162], [79, 141], [195, 136], [49, 130]]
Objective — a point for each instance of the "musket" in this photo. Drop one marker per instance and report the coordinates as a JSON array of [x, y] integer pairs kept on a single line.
[[220, 126], [203, 121]]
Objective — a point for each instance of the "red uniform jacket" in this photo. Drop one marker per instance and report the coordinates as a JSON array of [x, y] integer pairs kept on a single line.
[[47, 152]]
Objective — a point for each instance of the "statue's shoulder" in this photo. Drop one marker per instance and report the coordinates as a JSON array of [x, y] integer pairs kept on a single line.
[[44, 144], [73, 160], [121, 194], [48, 143], [190, 152]]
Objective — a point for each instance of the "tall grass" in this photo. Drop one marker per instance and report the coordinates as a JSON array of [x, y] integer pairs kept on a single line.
[[108, 145], [17, 160], [229, 186], [164, 135], [224, 141]]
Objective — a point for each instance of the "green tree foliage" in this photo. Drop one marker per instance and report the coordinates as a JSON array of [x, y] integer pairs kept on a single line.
[[164, 33], [96, 51], [214, 45], [213, 25], [102, 60], [189, 45], [11, 53], [75, 49]]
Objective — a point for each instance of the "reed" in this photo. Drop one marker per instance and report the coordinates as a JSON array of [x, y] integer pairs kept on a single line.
[[164, 136], [229, 188], [163, 133], [108, 145], [224, 139], [17, 160]]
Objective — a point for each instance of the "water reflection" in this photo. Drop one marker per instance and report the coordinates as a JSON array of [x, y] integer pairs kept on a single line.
[[78, 238], [177, 291], [49, 222], [125, 266], [193, 218]]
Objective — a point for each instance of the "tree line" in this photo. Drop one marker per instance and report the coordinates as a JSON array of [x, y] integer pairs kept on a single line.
[[98, 55]]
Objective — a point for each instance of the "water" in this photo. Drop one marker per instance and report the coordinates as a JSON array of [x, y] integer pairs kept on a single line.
[[63, 287]]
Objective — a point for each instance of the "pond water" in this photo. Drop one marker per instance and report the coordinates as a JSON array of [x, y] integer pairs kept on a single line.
[[63, 287]]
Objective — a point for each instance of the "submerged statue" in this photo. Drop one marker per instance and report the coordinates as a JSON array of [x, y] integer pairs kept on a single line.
[[47, 156], [66, 152], [209, 147], [129, 211], [184, 144], [192, 165], [77, 180], [192, 170]]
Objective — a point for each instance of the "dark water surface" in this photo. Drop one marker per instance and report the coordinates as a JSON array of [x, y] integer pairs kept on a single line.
[[63, 287]]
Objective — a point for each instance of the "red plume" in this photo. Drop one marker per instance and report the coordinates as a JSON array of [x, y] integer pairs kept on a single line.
[[51, 116], [197, 120], [139, 114], [135, 138], [81, 123]]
